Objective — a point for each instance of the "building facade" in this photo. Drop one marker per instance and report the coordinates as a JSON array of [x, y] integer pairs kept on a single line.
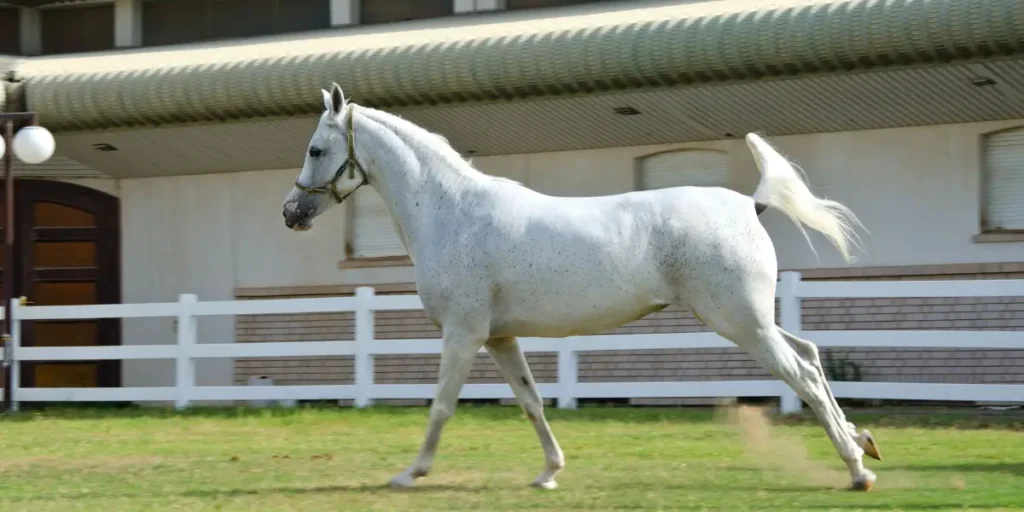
[[181, 124]]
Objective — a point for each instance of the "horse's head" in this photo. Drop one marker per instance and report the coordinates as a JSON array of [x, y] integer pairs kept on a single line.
[[331, 171]]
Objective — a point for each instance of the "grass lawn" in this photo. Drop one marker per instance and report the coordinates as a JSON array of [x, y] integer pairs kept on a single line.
[[617, 459]]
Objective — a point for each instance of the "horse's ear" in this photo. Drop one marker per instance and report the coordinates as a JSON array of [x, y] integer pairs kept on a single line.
[[337, 99], [327, 100]]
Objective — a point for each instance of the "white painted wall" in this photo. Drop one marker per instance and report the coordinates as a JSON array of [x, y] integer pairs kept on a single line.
[[916, 189], [177, 237], [209, 235]]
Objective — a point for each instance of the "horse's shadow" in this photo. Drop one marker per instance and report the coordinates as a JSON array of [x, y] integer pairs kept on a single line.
[[332, 489], [1011, 468], [447, 488]]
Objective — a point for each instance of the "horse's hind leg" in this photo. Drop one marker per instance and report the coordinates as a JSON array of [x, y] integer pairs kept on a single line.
[[809, 352], [749, 323], [512, 363], [769, 347]]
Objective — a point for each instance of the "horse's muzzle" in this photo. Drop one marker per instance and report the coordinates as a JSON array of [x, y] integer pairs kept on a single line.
[[296, 217]]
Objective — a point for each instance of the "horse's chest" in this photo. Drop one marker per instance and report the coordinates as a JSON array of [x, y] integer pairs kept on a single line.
[[444, 289]]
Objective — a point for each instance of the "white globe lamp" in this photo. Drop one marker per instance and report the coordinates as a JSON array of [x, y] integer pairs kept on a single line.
[[3, 147], [33, 144]]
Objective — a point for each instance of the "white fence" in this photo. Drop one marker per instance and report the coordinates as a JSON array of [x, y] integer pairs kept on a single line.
[[566, 390]]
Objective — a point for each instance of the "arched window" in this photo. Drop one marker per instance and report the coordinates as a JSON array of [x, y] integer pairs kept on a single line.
[[685, 167], [1004, 180]]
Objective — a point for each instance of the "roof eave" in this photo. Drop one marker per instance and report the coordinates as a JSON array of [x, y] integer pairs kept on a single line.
[[470, 61]]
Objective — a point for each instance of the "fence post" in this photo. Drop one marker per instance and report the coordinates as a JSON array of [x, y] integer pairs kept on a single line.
[[789, 311], [364, 346], [185, 366], [568, 366], [14, 387]]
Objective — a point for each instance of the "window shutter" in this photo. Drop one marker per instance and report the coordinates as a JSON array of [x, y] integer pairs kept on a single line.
[[373, 232], [77, 29], [372, 12], [10, 31], [697, 167], [1004, 168]]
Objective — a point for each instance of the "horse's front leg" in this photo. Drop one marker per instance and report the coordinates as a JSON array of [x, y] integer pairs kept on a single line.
[[510, 360], [457, 359]]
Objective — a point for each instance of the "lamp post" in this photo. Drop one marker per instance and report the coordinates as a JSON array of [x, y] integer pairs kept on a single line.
[[33, 144]]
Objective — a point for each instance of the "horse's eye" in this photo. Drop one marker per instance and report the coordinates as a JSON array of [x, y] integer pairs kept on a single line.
[[315, 152]]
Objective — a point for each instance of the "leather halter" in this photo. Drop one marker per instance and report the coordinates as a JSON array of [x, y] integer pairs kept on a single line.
[[331, 186]]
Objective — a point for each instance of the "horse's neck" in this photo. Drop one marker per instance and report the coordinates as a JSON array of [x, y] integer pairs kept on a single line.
[[414, 179]]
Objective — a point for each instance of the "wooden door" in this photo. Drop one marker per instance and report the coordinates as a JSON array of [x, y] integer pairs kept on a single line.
[[67, 249]]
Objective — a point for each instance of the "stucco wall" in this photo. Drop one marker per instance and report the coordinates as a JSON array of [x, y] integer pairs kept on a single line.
[[922, 182], [916, 189]]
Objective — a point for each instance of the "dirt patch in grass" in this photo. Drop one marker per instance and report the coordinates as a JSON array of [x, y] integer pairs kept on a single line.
[[775, 451]]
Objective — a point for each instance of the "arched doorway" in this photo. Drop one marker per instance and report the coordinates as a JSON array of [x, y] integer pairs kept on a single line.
[[67, 251]]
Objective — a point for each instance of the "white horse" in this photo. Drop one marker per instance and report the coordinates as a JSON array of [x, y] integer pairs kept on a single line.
[[495, 260]]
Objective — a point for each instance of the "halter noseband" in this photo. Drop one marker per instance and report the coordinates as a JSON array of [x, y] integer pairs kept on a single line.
[[331, 186]]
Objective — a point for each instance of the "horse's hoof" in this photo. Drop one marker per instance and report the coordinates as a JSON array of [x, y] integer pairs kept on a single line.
[[862, 485], [870, 447], [403, 481], [864, 482], [545, 484]]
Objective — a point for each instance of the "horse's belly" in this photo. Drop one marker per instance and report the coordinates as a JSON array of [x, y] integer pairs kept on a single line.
[[570, 317]]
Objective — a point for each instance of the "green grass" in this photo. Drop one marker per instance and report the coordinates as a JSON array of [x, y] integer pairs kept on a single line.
[[618, 459]]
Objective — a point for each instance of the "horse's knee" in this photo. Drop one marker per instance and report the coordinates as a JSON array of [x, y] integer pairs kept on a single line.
[[534, 409], [556, 462], [441, 411]]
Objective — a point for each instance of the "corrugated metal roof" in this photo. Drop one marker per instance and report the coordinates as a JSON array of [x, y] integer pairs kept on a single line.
[[891, 98], [509, 56]]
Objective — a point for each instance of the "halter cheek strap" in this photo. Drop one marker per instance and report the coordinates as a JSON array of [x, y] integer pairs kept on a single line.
[[331, 186]]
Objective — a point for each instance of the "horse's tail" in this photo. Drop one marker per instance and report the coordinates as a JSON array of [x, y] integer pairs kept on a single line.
[[782, 186]]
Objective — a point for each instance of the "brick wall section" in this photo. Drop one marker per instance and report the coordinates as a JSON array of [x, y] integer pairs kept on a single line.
[[290, 371], [389, 325], [297, 327], [953, 366], [941, 313], [951, 313], [669, 365], [897, 365], [422, 369]]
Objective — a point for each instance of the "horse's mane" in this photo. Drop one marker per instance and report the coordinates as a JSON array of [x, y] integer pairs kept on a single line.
[[434, 141]]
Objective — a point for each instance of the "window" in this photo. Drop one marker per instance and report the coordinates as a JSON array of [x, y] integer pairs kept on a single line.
[[10, 31], [373, 232], [1004, 180], [686, 167], [391, 11], [77, 29], [168, 22], [186, 21]]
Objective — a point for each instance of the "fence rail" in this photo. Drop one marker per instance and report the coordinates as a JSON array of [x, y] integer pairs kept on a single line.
[[567, 390]]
